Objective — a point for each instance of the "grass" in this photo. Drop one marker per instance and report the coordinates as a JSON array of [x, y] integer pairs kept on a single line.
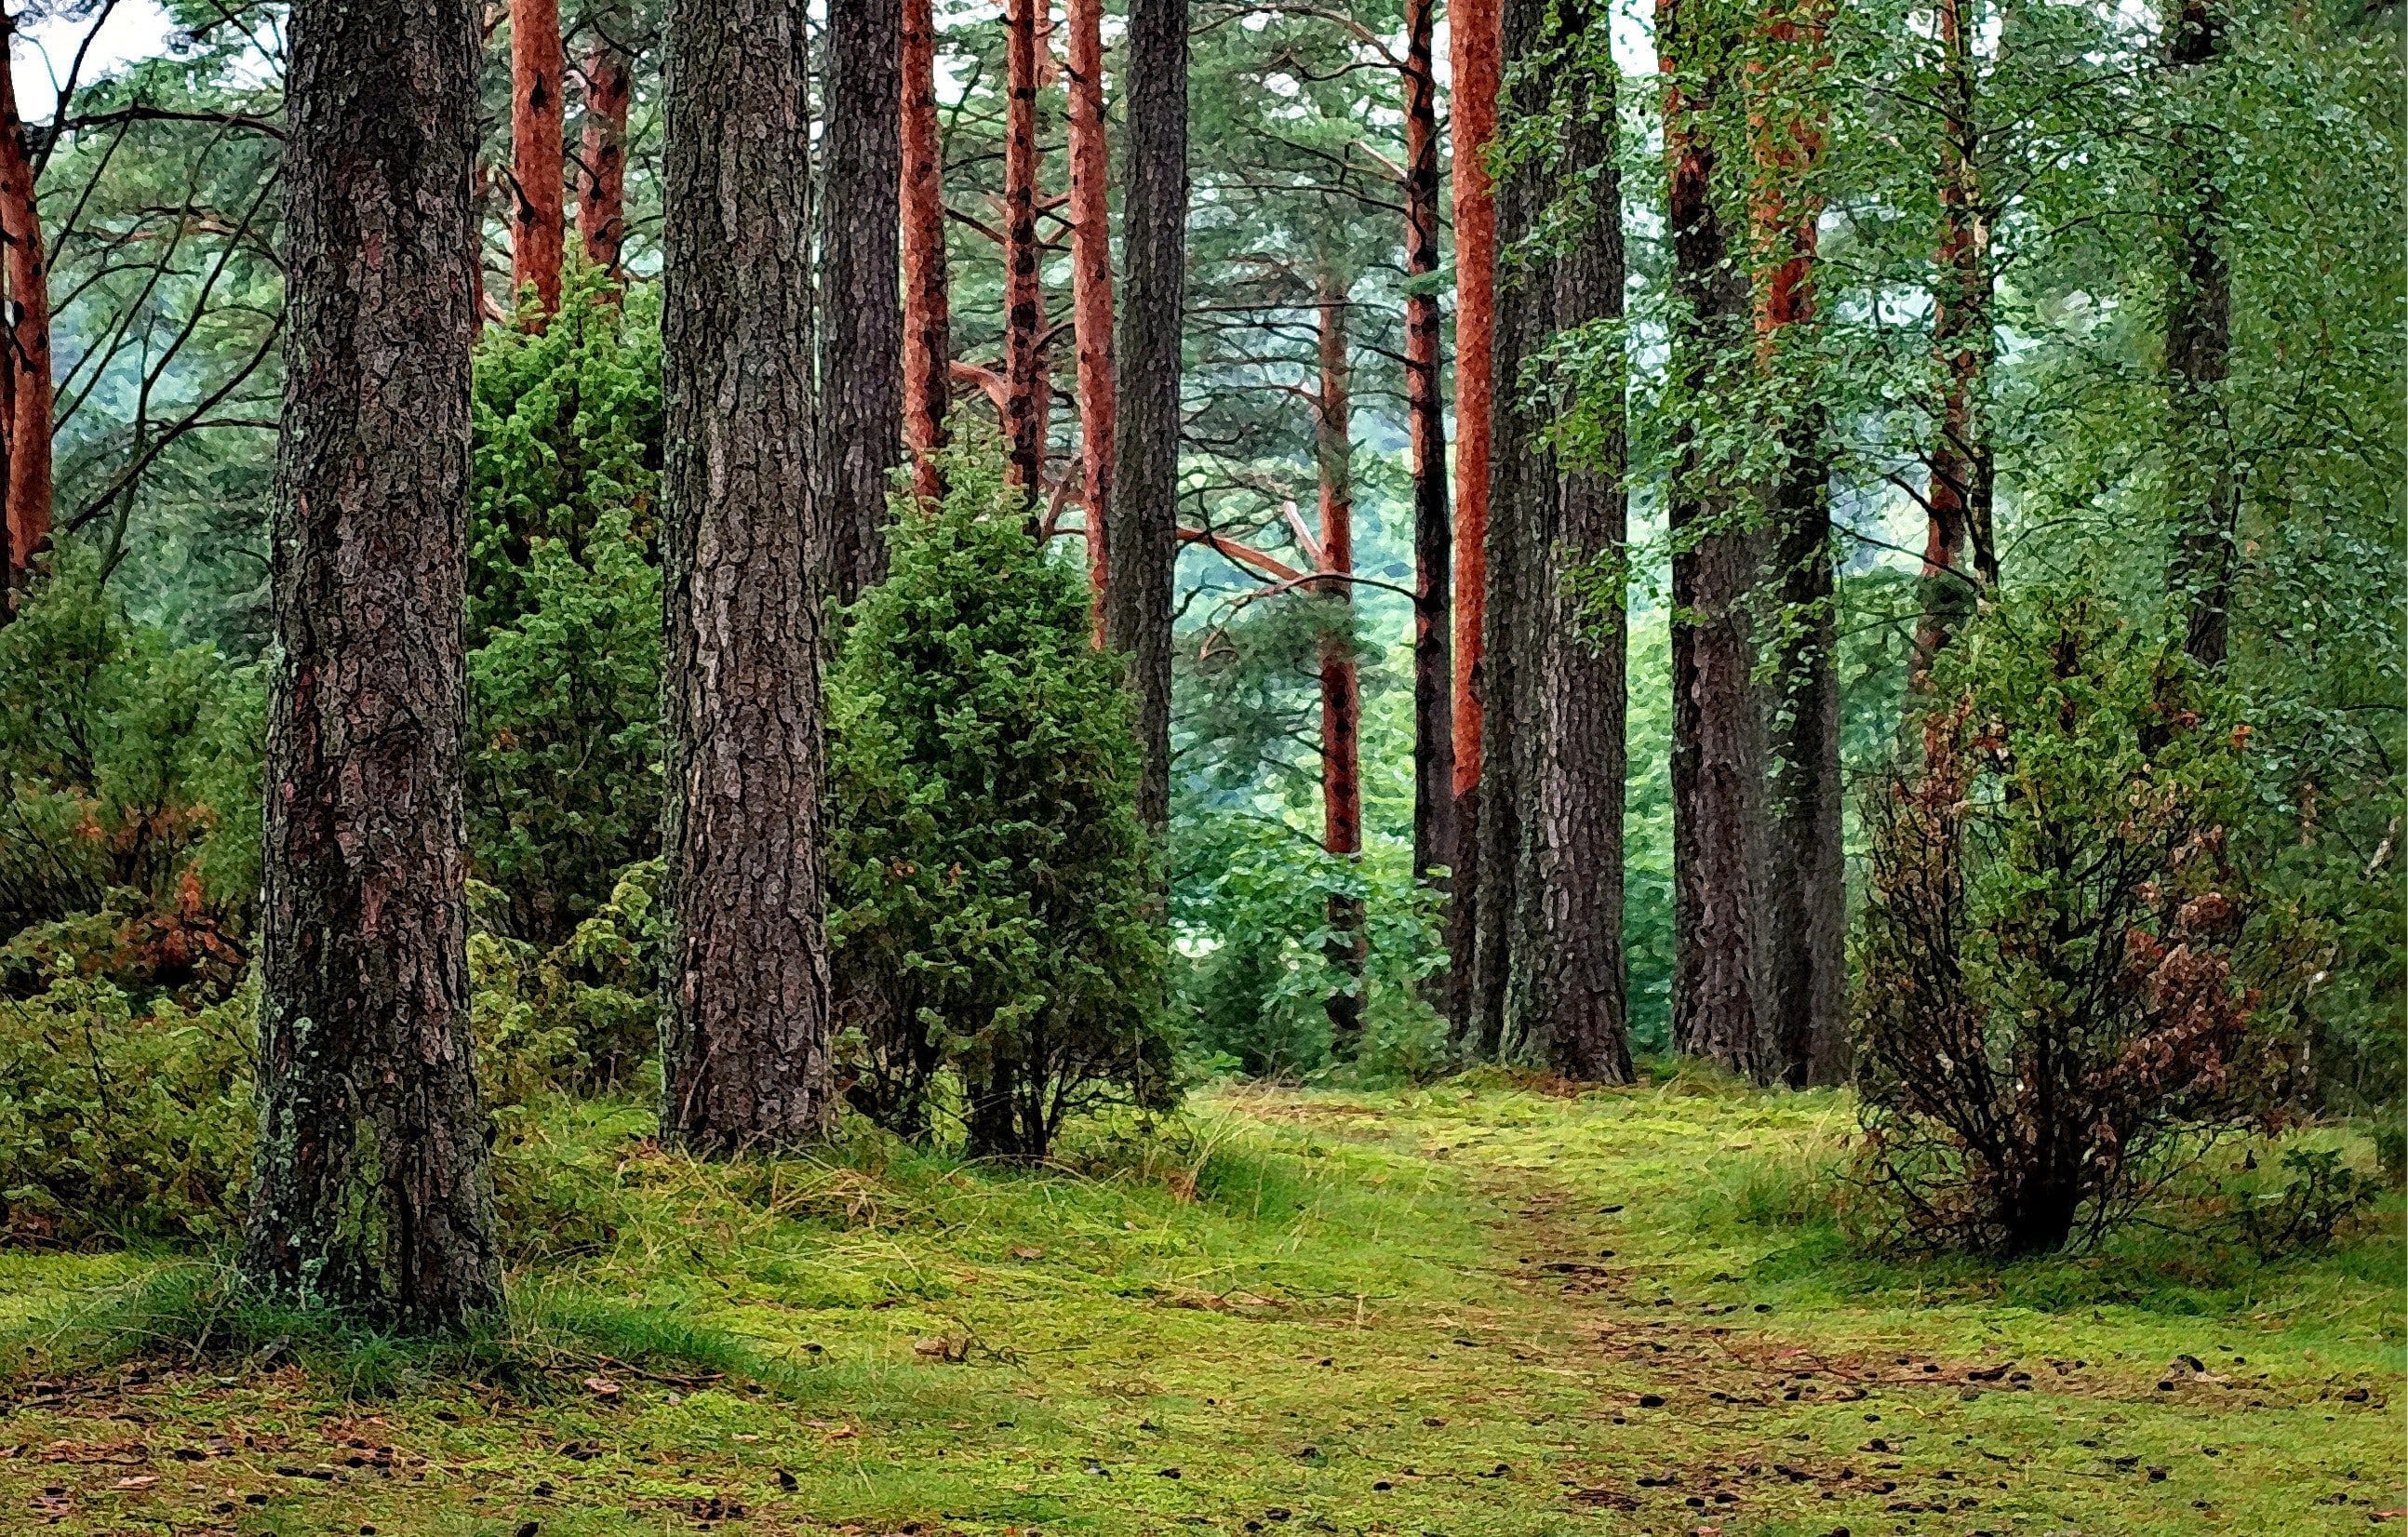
[[1475, 1309]]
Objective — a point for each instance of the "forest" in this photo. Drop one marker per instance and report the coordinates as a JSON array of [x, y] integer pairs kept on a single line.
[[1489, 768]]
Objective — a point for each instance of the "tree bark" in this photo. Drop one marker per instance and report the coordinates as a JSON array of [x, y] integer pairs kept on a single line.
[[927, 318], [1805, 994], [1145, 510], [1342, 696], [538, 71], [602, 177], [1473, 43], [1426, 426], [1091, 287], [745, 1033], [2201, 491], [1565, 1005], [860, 398], [1023, 298], [1959, 555], [1719, 858], [370, 1189], [28, 364], [1520, 493]]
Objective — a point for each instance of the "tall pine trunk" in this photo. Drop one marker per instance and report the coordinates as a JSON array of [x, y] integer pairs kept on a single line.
[[860, 384], [1091, 287], [1806, 985], [602, 176], [1566, 1004], [1473, 43], [28, 365], [370, 1189], [1342, 694], [538, 71], [1144, 512], [927, 311], [1425, 430], [2202, 495], [1719, 858], [1024, 297], [1520, 514], [745, 1047], [1959, 555]]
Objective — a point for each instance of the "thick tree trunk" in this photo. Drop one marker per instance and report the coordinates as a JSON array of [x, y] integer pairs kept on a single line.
[[1473, 43], [1805, 994], [927, 312], [602, 177], [2202, 495], [860, 395], [1342, 696], [1959, 555], [1719, 859], [1566, 1004], [1023, 298], [1426, 428], [1144, 512], [1091, 287], [538, 73], [28, 364], [370, 1189], [745, 1031], [1521, 495]]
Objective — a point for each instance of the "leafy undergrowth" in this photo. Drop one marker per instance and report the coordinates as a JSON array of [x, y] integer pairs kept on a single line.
[[1474, 1309]]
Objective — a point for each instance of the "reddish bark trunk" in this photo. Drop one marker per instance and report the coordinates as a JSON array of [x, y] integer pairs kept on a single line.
[[1024, 321], [1472, 46], [29, 351], [1341, 699], [602, 182], [1957, 556], [928, 347], [1425, 424], [539, 65], [1091, 283]]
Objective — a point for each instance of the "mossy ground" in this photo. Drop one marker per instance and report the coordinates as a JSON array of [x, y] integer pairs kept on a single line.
[[1468, 1309]]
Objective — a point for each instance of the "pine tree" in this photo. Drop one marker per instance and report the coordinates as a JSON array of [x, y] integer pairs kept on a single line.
[[928, 347], [25, 376], [745, 1039], [370, 1189], [1143, 539], [609, 72], [1090, 286], [538, 71], [860, 394]]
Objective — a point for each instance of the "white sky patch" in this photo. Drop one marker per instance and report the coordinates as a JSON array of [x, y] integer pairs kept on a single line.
[[45, 50]]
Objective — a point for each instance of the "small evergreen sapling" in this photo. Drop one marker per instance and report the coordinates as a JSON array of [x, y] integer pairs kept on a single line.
[[991, 892]]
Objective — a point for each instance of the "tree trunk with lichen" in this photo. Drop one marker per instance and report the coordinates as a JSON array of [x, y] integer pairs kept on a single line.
[[745, 1034], [370, 1189]]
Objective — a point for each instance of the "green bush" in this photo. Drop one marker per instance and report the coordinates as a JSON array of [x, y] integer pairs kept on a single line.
[[129, 796], [581, 1018], [564, 745], [991, 887], [119, 1124], [2065, 972]]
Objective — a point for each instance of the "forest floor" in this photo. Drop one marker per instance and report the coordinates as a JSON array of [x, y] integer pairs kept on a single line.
[[1474, 1309]]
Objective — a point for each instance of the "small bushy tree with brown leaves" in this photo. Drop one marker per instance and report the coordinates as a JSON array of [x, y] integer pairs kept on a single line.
[[2060, 959]]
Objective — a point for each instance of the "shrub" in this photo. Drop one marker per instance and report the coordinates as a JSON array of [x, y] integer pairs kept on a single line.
[[2057, 950], [991, 887], [565, 743], [580, 1016], [119, 1124], [129, 797]]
